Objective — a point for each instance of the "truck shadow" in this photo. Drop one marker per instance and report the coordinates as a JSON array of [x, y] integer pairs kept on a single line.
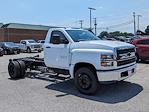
[[111, 93], [107, 93]]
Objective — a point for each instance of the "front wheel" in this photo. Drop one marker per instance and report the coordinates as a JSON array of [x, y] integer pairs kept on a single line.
[[28, 50], [18, 52], [39, 51], [138, 59], [86, 81], [5, 52]]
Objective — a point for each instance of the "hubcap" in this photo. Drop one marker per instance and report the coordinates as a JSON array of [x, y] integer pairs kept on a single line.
[[84, 81], [5, 52], [11, 69], [28, 50]]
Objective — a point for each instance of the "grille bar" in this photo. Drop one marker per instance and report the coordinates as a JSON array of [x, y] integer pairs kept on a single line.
[[120, 63]]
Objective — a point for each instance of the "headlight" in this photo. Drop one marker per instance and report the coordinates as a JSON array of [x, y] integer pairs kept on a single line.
[[105, 56], [107, 64], [107, 60]]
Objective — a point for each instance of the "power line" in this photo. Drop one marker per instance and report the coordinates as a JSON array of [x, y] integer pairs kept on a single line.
[[117, 25]]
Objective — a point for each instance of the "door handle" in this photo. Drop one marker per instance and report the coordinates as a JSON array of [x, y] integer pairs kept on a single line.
[[48, 47]]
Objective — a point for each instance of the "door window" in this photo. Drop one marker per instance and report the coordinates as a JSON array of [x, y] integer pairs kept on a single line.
[[23, 42], [144, 42], [63, 39]]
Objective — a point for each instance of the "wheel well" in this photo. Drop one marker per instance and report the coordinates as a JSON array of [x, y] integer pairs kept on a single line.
[[88, 65], [28, 47]]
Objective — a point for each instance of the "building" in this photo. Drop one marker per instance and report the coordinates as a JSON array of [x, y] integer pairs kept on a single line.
[[15, 32], [1, 36]]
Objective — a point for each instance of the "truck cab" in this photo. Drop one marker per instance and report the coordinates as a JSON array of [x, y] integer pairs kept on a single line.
[[88, 59]]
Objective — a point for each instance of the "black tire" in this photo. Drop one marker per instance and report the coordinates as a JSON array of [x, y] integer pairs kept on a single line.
[[39, 51], [18, 52], [138, 59], [22, 69], [14, 69], [86, 81], [2, 53], [28, 50], [5, 52]]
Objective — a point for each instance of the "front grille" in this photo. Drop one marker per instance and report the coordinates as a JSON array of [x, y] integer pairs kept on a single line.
[[126, 52], [125, 56], [125, 62], [36, 46], [121, 51]]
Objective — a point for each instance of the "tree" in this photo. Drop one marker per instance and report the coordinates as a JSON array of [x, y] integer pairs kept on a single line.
[[114, 34], [147, 30], [104, 34]]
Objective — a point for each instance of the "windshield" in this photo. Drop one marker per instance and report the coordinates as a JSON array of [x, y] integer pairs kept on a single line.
[[10, 44], [81, 35], [32, 41]]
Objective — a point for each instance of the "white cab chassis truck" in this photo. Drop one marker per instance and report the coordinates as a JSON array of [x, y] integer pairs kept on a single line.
[[82, 56]]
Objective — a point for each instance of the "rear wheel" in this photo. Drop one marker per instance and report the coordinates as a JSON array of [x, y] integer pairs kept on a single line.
[[14, 69], [86, 81], [2, 53], [22, 69]]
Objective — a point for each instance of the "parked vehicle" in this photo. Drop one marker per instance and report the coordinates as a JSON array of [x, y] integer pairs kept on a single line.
[[23, 48], [41, 42], [1, 51], [142, 46], [82, 56], [10, 47], [31, 45], [131, 38]]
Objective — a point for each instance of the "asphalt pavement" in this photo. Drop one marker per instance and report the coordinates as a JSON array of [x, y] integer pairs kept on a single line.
[[41, 93]]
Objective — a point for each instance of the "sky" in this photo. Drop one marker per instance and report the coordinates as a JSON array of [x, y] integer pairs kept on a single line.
[[68, 13]]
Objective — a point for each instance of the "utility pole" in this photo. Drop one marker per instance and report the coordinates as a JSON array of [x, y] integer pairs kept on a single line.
[[81, 23], [95, 24], [134, 17], [90, 9], [139, 21]]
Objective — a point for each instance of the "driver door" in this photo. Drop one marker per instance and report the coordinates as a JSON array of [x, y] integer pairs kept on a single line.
[[57, 55]]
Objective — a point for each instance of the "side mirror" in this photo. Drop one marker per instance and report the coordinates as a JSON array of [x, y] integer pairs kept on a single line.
[[66, 41], [56, 39]]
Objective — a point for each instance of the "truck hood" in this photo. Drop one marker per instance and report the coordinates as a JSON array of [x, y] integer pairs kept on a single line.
[[100, 44], [34, 44], [13, 47]]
